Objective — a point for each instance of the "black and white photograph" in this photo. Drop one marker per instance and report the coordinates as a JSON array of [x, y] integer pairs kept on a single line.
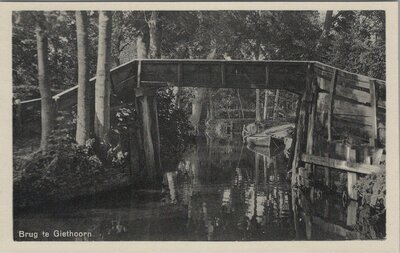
[[199, 125]]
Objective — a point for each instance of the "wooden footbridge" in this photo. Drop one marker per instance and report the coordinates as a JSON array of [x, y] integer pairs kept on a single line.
[[340, 115]]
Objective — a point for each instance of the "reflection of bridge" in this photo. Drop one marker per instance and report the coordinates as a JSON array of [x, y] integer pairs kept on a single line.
[[340, 117]]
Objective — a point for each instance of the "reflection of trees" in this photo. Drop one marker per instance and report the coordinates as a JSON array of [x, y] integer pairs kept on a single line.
[[228, 199]]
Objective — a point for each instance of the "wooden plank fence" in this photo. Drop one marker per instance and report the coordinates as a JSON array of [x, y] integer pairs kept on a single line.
[[346, 126]]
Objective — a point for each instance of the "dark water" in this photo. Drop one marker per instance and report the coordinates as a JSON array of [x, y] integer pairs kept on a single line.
[[221, 190]]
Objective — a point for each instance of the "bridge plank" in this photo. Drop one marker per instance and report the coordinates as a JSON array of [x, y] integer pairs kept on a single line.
[[362, 80], [347, 108], [344, 165], [221, 74], [350, 129]]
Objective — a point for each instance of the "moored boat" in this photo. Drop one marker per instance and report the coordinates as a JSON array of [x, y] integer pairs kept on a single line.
[[274, 136]]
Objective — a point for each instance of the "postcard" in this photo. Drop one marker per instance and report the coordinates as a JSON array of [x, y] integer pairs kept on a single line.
[[148, 127]]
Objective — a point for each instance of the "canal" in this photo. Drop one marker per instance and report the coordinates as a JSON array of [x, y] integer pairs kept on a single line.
[[221, 190]]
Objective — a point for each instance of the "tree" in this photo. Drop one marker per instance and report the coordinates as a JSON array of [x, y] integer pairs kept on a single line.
[[258, 107], [126, 25], [83, 110], [47, 106], [155, 35], [265, 112], [102, 90], [148, 44], [200, 95], [357, 43], [276, 105]]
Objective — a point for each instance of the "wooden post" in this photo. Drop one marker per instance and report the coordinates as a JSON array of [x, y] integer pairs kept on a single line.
[[308, 223], [377, 156], [332, 88], [312, 85], [301, 122], [257, 168], [296, 222], [223, 81], [311, 119], [326, 208], [266, 170], [276, 107], [265, 111], [258, 108], [157, 131], [374, 123], [351, 176], [267, 75], [299, 138], [351, 181], [352, 213], [147, 109], [180, 74], [138, 74]]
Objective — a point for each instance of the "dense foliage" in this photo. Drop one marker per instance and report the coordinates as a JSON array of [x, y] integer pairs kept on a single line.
[[174, 129], [357, 43], [372, 216], [61, 32], [372, 189], [66, 170]]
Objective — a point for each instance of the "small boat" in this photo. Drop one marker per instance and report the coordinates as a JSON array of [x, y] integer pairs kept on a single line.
[[274, 136], [263, 140], [265, 151]]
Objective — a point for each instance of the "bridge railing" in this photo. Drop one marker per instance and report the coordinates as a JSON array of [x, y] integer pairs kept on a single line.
[[343, 125]]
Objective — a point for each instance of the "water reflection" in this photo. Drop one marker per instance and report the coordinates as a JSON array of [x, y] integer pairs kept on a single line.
[[221, 190]]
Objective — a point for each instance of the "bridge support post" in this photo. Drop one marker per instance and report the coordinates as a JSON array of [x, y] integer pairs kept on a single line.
[[351, 181], [305, 123], [146, 104]]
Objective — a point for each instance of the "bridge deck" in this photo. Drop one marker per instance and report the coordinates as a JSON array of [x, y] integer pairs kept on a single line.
[[289, 75]]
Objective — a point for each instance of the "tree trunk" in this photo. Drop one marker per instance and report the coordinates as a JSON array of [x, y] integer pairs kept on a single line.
[[155, 35], [47, 105], [83, 118], [142, 47], [327, 23], [265, 112], [326, 29], [197, 106], [177, 95], [148, 43], [200, 95], [276, 107], [258, 109], [240, 103], [210, 109], [102, 100]]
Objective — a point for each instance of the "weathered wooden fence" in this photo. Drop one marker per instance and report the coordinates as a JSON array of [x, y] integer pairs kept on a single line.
[[341, 125]]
